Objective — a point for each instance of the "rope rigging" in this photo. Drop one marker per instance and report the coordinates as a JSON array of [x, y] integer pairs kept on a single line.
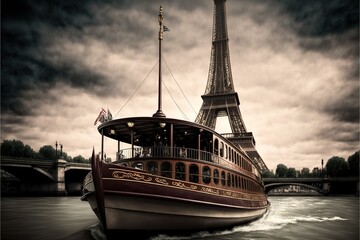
[[179, 87], [137, 88], [167, 89]]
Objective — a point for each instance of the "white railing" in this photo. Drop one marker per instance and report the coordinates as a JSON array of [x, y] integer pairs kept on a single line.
[[167, 152]]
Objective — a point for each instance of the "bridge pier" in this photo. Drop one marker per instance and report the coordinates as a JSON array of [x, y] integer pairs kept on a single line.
[[326, 187], [60, 188], [55, 187]]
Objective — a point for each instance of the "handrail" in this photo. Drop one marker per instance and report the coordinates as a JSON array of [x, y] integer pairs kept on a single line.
[[166, 152], [236, 135]]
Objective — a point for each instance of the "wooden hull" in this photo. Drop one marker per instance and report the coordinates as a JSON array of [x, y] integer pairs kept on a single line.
[[139, 213], [130, 199]]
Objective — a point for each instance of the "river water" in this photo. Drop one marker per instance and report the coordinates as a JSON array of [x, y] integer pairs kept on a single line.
[[68, 218]]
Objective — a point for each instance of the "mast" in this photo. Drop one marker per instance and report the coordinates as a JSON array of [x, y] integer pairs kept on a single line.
[[159, 112]]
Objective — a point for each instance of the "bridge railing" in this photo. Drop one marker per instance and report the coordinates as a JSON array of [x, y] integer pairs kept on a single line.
[[9, 160], [37, 161], [81, 165]]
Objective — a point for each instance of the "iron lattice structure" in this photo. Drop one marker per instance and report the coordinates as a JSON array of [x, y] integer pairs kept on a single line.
[[220, 98]]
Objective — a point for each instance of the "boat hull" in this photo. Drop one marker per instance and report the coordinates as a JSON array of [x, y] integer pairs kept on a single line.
[[147, 214], [169, 215], [130, 201]]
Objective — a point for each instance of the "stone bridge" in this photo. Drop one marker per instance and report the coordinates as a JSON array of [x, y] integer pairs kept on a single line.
[[46, 177], [339, 185]]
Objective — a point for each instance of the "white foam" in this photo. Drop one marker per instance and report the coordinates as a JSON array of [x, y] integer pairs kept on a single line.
[[273, 222]]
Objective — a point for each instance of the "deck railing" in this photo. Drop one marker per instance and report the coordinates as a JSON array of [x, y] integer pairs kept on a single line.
[[167, 152]]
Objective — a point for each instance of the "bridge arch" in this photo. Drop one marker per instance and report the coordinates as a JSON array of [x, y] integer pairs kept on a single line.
[[27, 172], [271, 186]]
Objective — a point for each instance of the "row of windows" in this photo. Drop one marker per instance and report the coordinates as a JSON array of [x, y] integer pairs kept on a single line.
[[224, 178], [231, 154]]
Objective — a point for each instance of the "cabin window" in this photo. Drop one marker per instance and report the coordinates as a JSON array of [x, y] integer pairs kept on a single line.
[[138, 165], [180, 171], [124, 164], [216, 176], [221, 149], [166, 169], [236, 181], [206, 175], [223, 179], [194, 173], [232, 180], [152, 167], [228, 180], [226, 152], [239, 181], [216, 146]]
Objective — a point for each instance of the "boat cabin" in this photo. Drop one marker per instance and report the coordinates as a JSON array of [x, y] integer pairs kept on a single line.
[[181, 150]]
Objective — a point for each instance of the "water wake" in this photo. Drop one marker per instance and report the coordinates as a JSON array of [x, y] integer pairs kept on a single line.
[[272, 220], [273, 223]]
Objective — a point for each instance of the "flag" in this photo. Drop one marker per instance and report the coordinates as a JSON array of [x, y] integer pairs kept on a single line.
[[165, 28], [101, 116], [109, 115]]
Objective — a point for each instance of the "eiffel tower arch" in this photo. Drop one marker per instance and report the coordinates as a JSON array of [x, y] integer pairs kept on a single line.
[[220, 98]]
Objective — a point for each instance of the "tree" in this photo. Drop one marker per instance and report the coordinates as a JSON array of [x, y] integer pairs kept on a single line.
[[305, 172], [65, 156], [337, 167], [291, 173], [268, 174], [281, 170], [353, 162], [47, 152], [16, 148], [79, 159]]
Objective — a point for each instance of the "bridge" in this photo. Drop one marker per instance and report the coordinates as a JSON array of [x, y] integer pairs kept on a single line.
[[46, 177], [323, 185]]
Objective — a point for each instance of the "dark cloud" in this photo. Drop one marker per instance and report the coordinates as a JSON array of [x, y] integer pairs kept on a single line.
[[347, 109], [327, 26], [26, 64], [322, 17], [332, 29], [31, 60]]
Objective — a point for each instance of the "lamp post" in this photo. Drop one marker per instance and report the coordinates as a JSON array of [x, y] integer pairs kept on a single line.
[[131, 126], [56, 145], [61, 147]]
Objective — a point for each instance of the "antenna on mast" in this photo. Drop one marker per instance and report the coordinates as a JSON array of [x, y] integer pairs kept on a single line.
[[159, 112]]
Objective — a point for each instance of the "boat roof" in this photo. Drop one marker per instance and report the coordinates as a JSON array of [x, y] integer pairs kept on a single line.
[[145, 128], [119, 129]]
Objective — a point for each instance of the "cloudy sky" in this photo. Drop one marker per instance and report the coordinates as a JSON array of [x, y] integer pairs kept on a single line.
[[295, 66]]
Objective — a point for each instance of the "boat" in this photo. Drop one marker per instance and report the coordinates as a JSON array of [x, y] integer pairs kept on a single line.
[[171, 175]]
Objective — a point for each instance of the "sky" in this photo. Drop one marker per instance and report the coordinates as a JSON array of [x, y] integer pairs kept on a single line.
[[295, 66]]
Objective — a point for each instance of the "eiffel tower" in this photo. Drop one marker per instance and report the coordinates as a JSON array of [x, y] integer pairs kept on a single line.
[[220, 98]]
